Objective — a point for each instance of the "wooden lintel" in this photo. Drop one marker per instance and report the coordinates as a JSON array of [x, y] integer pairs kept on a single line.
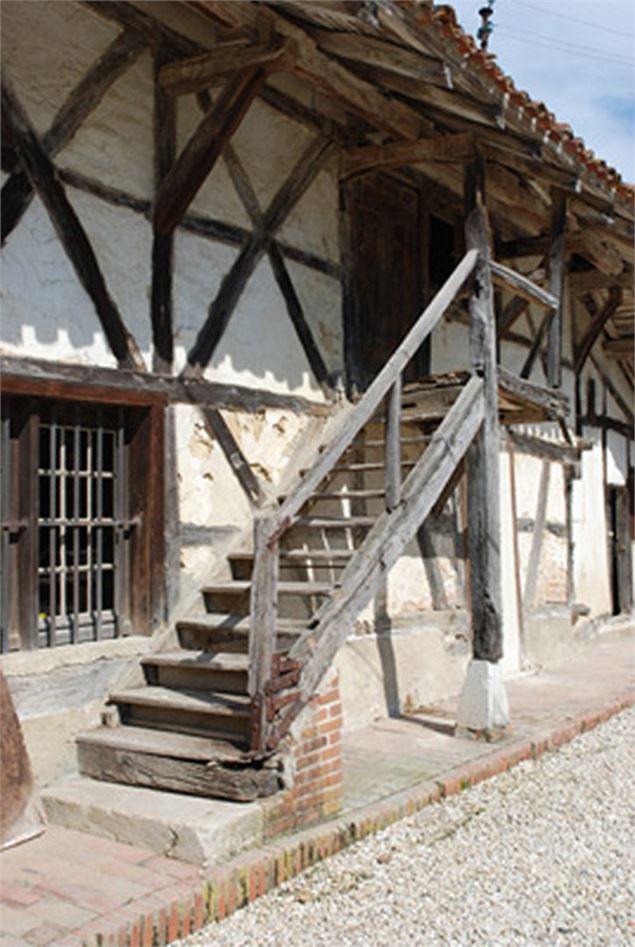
[[453, 148], [619, 348], [522, 286], [593, 279], [199, 156], [199, 72], [593, 331], [40, 378], [72, 235]]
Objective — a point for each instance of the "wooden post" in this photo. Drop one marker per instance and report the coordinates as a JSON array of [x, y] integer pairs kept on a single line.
[[555, 269], [262, 634], [483, 708], [483, 461], [393, 446], [162, 244]]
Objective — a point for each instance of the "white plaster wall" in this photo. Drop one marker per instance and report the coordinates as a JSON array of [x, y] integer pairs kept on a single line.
[[450, 350], [45, 311], [616, 459], [591, 569], [511, 629]]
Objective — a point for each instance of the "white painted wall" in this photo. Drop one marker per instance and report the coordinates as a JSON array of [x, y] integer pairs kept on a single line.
[[590, 533]]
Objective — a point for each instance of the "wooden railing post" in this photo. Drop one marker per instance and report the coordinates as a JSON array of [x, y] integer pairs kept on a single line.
[[263, 621], [392, 447]]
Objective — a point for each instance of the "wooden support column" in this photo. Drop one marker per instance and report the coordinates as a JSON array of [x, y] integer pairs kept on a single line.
[[483, 707], [555, 270]]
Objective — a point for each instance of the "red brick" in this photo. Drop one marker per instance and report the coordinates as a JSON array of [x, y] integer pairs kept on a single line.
[[147, 931], [199, 911], [135, 935], [335, 710], [330, 697], [173, 923]]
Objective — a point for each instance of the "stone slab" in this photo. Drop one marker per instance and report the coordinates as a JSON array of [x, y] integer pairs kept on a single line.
[[202, 832]]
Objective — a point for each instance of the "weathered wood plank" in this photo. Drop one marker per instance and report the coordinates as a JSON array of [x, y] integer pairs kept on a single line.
[[199, 72], [122, 53], [373, 397], [164, 128], [371, 51], [294, 309], [521, 247], [199, 156], [388, 537], [484, 546], [243, 185], [512, 311], [592, 333], [554, 403], [393, 446], [67, 225], [510, 279], [263, 621], [219, 429], [555, 274], [535, 347], [531, 577], [41, 378], [619, 348], [544, 449], [452, 148]]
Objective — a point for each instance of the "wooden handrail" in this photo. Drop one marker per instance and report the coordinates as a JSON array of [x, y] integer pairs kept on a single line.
[[364, 410]]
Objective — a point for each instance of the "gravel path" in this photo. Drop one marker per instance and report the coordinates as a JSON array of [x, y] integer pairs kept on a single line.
[[543, 854]]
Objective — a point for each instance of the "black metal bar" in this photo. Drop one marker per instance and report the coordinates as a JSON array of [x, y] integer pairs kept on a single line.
[[99, 587], [53, 485]]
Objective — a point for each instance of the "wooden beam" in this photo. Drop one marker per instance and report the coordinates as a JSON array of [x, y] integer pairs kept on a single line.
[[512, 311], [593, 331], [625, 407], [199, 156], [69, 229], [162, 244], [619, 348], [218, 428], [236, 279], [294, 308], [122, 52], [590, 280], [522, 286], [453, 148], [531, 576], [42, 378], [484, 546], [521, 247], [371, 51], [544, 449], [262, 631], [555, 277], [551, 401], [199, 72], [243, 185]]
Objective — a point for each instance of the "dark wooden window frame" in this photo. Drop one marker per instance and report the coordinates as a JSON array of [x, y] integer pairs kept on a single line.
[[145, 592]]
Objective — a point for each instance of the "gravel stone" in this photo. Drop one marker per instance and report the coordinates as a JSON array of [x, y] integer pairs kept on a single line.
[[543, 854]]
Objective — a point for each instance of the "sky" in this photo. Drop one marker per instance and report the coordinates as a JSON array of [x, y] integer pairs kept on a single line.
[[576, 56]]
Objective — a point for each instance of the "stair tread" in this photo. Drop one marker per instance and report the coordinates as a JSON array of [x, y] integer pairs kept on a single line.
[[300, 554], [348, 494], [225, 622], [207, 660], [244, 585], [334, 522], [370, 465], [182, 699], [164, 743], [380, 441]]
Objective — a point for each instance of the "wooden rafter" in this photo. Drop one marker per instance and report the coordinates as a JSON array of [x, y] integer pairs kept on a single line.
[[593, 331], [235, 280], [180, 185], [555, 276], [592, 279], [199, 72], [371, 51], [619, 348], [72, 235], [122, 53]]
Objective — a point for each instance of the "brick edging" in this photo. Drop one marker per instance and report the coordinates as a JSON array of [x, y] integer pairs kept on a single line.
[[250, 875]]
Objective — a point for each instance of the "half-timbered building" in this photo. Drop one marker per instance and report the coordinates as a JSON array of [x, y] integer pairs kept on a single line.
[[317, 359]]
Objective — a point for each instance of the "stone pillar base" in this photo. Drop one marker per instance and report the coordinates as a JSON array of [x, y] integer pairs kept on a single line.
[[483, 710]]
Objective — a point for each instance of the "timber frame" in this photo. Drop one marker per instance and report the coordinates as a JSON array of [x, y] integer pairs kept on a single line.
[[543, 256]]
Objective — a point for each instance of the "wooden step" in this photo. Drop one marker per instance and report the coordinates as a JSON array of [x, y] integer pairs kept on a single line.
[[196, 670], [348, 494], [335, 522], [369, 466], [380, 442], [178, 762], [222, 633], [234, 596], [186, 711]]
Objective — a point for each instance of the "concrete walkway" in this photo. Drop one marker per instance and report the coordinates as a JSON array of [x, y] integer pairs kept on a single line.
[[67, 888]]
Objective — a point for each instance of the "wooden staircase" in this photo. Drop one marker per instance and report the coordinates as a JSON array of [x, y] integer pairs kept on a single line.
[[212, 713]]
